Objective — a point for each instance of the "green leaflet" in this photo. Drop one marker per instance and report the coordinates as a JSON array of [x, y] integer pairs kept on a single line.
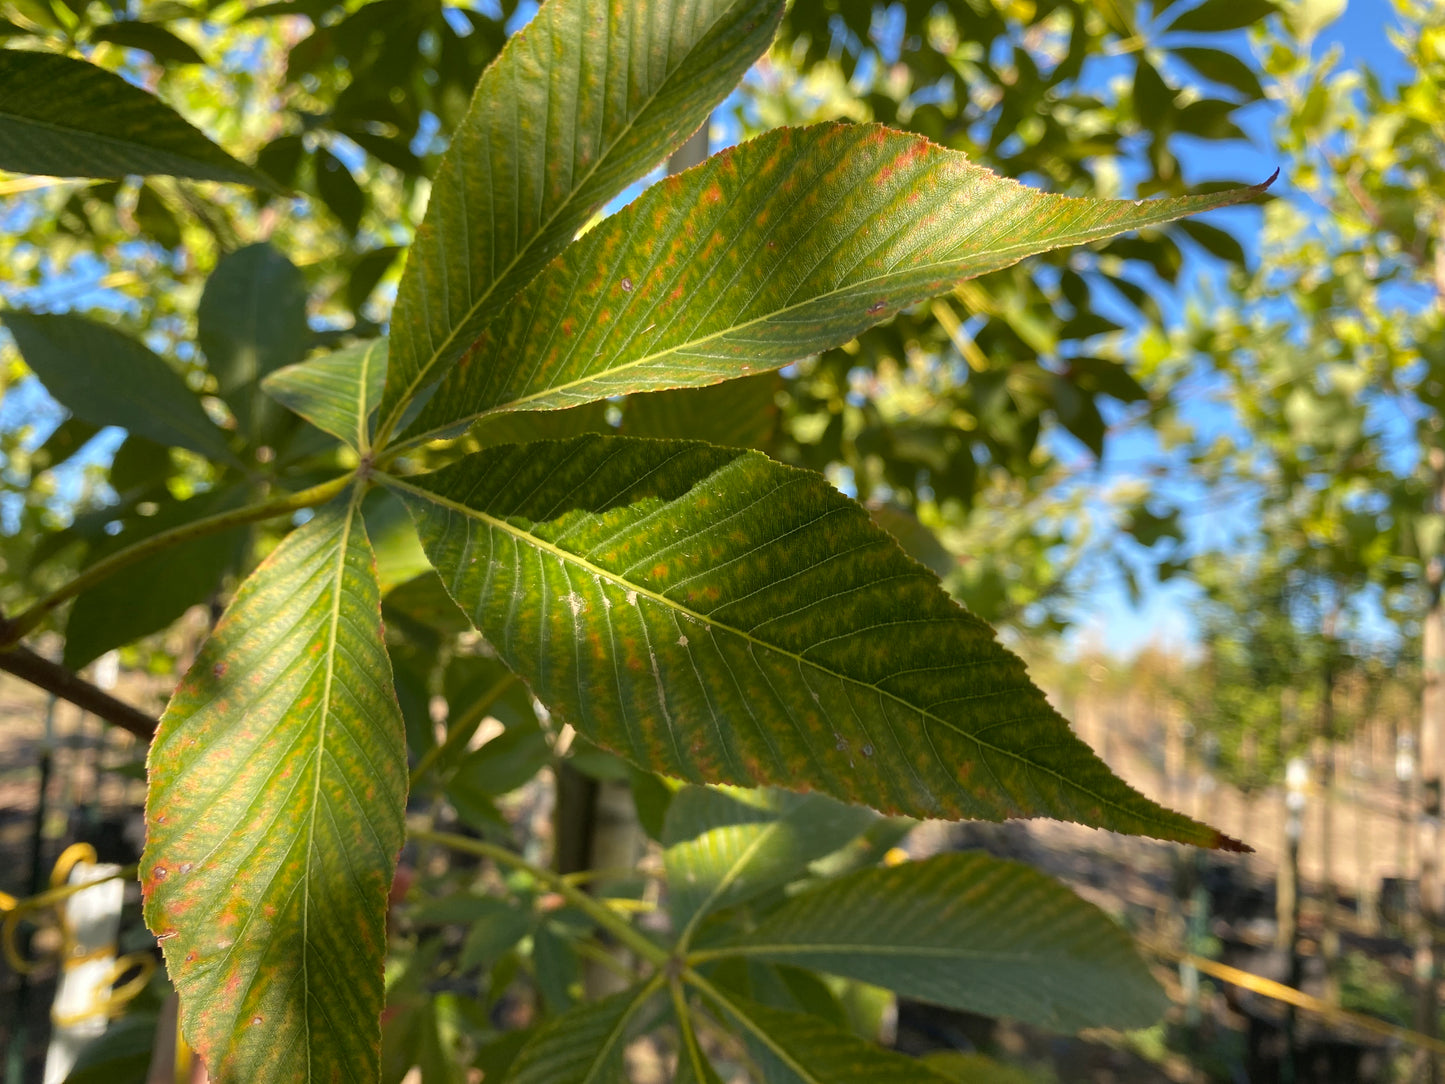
[[274, 817], [741, 413], [108, 378], [1216, 15], [970, 932], [252, 321], [724, 847], [771, 250], [580, 103], [917, 540], [66, 118], [583, 1045], [494, 934], [713, 615], [798, 1048], [336, 392]]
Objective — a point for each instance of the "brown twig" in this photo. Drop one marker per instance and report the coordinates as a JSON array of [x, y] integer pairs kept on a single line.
[[56, 679]]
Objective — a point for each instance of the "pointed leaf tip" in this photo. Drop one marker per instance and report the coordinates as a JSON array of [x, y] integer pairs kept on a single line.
[[580, 103], [769, 251], [713, 615], [1223, 842]]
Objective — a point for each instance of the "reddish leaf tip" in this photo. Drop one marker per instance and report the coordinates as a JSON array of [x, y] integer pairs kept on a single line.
[[1223, 842]]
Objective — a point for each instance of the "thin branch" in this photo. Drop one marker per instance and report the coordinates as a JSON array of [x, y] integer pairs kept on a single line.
[[461, 729], [595, 909], [56, 679], [11, 631], [690, 1048]]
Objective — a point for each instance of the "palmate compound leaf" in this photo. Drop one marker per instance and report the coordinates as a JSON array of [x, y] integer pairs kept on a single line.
[[970, 932], [769, 251], [274, 817], [581, 102], [713, 615], [66, 118]]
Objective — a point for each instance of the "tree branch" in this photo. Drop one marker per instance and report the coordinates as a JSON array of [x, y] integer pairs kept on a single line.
[[56, 679]]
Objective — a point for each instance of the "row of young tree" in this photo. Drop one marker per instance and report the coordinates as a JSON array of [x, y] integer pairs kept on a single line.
[[1326, 615], [957, 422]]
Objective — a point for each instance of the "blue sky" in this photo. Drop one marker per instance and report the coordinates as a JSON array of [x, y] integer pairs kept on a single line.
[[1105, 616]]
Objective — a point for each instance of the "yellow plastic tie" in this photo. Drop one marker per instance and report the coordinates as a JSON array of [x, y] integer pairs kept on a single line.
[[60, 890], [1278, 991], [69, 858]]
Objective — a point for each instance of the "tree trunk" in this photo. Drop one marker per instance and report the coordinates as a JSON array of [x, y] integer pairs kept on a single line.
[[1325, 760]]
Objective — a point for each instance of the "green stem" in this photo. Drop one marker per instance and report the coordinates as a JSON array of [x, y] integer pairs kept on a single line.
[[454, 732], [685, 1029], [13, 630], [594, 909], [717, 997]]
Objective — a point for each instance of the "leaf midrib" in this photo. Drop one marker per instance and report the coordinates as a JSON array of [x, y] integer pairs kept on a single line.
[[1021, 250], [324, 715], [620, 1029], [727, 880], [112, 141], [763, 1035], [363, 434], [703, 619], [413, 385]]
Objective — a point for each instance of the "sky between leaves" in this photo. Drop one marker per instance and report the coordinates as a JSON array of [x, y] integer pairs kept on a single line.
[[1165, 616], [1104, 614]]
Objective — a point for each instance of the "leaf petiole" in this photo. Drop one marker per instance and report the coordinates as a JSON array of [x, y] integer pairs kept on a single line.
[[12, 631], [685, 1028], [594, 909], [461, 729]]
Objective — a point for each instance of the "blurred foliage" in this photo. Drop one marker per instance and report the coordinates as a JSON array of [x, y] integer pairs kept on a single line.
[[959, 409], [949, 407], [1328, 357]]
